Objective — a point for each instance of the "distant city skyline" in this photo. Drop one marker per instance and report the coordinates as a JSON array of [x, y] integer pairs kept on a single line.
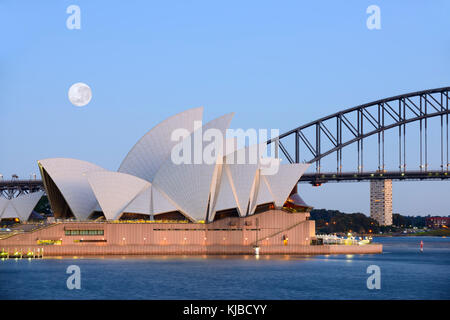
[[275, 66]]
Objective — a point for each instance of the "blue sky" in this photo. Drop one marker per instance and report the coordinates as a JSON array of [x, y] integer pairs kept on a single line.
[[275, 64]]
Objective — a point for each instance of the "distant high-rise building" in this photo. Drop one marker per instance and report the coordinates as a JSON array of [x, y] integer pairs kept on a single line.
[[381, 201]]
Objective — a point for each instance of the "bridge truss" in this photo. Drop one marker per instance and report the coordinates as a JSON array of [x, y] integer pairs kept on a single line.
[[331, 134], [13, 188]]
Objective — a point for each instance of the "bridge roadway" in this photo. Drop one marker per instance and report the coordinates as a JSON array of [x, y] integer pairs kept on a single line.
[[319, 178], [12, 188], [18, 184], [26, 186]]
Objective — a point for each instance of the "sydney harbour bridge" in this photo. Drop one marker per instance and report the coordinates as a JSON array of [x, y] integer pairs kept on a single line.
[[372, 132]]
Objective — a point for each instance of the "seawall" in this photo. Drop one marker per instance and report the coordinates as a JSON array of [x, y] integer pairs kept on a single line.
[[95, 250]]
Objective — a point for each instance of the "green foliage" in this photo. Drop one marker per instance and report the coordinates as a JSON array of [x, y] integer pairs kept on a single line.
[[43, 206], [439, 232], [334, 221], [408, 221]]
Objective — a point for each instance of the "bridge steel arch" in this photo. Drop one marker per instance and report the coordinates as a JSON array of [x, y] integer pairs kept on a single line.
[[374, 118]]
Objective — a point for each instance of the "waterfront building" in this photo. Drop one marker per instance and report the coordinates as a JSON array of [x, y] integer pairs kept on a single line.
[[437, 222]]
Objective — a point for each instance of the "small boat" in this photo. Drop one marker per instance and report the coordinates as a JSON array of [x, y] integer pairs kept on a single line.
[[366, 240]]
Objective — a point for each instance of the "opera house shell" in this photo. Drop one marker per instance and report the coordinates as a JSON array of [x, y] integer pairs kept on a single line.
[[20, 207], [150, 185]]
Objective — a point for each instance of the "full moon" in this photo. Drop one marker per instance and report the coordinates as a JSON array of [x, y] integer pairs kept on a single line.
[[80, 94]]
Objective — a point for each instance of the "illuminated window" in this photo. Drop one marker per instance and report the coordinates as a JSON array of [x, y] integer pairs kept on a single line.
[[84, 232], [49, 242]]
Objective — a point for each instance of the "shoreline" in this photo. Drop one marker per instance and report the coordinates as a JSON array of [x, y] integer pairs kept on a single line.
[[408, 235]]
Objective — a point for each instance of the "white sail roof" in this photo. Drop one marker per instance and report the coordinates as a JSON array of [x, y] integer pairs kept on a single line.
[[229, 146], [152, 150], [188, 185], [282, 183], [69, 175], [3, 203], [242, 169], [160, 203], [240, 174], [141, 204], [264, 195], [115, 191], [25, 203], [151, 202], [9, 212], [225, 198]]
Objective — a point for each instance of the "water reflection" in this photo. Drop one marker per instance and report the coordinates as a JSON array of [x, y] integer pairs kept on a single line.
[[257, 277]]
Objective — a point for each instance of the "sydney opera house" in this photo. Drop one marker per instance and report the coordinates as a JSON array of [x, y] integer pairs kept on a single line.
[[155, 205]]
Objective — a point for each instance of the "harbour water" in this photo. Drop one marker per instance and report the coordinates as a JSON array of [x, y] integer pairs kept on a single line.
[[406, 273]]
